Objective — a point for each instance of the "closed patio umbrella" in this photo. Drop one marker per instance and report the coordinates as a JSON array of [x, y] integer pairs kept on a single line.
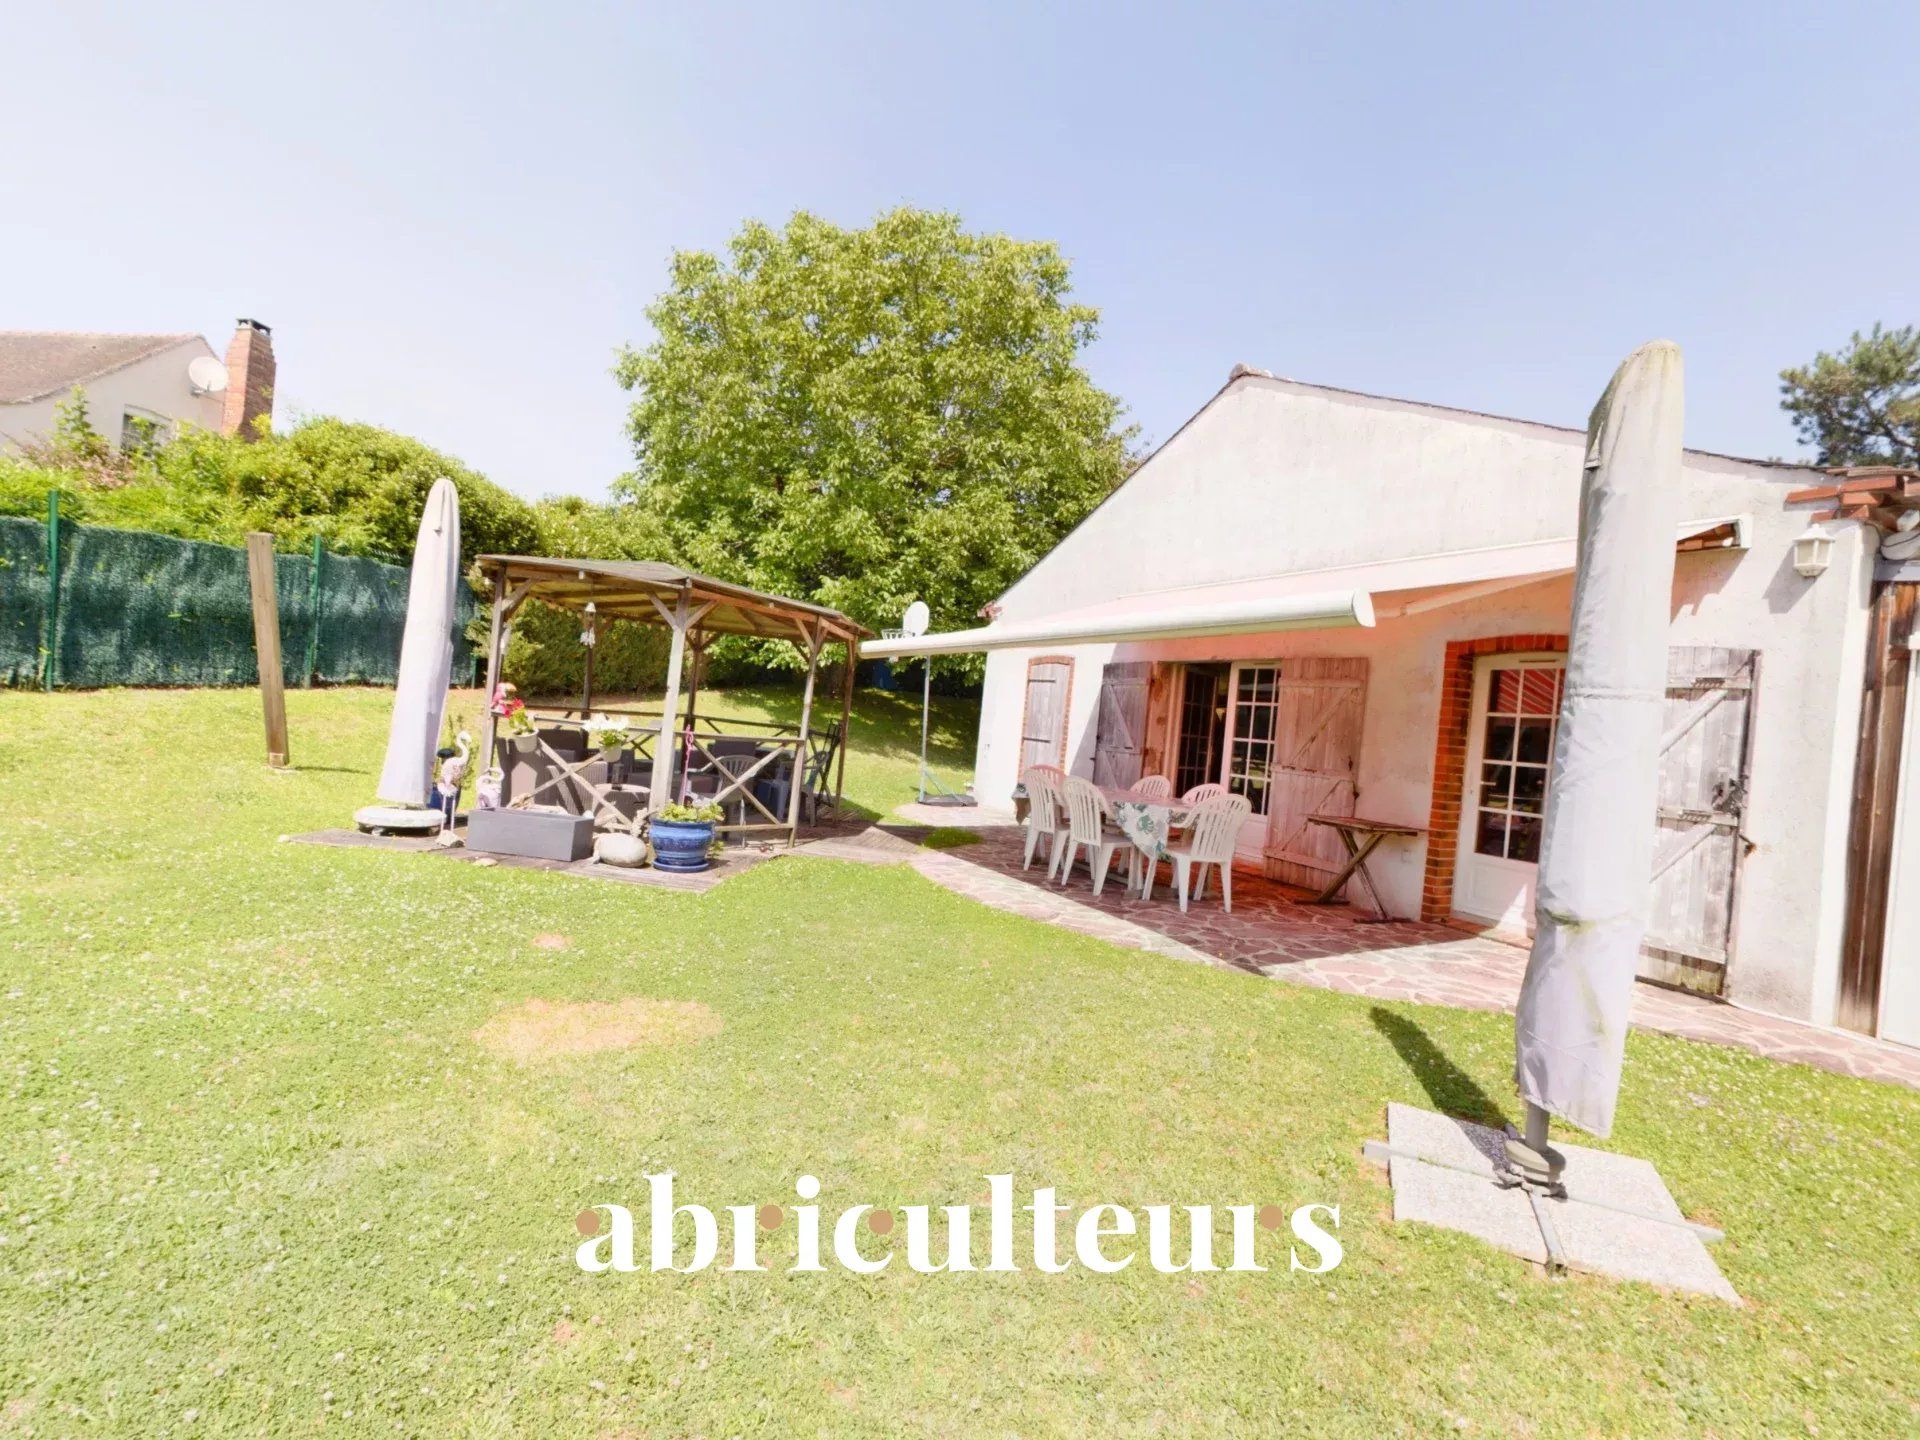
[[426, 651], [1596, 858]]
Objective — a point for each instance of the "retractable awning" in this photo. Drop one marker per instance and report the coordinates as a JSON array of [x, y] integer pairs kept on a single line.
[[1313, 600], [1147, 620]]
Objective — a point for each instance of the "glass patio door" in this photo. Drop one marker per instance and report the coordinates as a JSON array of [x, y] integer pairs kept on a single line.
[[1516, 711], [1248, 761]]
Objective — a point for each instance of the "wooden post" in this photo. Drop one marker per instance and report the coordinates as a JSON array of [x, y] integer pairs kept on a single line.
[[313, 610], [846, 725], [586, 675], [266, 643], [664, 754], [50, 652], [693, 684], [493, 669], [800, 756]]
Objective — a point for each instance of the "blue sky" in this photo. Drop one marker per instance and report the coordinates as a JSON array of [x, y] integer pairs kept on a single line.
[[452, 216]]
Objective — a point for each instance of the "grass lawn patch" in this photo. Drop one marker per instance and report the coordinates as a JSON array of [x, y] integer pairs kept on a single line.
[[550, 1029], [948, 837], [260, 1178]]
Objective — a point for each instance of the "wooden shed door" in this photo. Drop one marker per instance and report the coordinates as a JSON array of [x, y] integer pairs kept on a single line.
[[1121, 729], [1316, 755], [1705, 759], [1043, 726]]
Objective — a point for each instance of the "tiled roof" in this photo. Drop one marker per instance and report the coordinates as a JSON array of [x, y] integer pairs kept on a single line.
[[37, 363]]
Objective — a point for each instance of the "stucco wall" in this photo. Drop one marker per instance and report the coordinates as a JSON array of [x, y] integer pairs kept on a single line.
[[1274, 479], [156, 384]]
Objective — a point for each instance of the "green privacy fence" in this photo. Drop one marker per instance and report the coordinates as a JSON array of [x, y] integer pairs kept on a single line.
[[84, 606]]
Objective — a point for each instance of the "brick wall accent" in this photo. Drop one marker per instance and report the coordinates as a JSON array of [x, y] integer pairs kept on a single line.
[[1450, 758], [250, 374]]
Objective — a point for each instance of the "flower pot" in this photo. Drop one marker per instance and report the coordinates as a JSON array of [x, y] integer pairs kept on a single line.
[[532, 834], [680, 845], [618, 848]]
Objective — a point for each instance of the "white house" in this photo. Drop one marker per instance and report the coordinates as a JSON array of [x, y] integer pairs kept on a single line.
[[136, 385], [1338, 603]]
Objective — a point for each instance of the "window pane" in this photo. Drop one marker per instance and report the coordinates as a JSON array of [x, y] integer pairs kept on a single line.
[[1539, 692], [1496, 782], [1260, 726], [1523, 840], [1504, 697], [1499, 740], [1536, 741], [1530, 789], [1492, 836]]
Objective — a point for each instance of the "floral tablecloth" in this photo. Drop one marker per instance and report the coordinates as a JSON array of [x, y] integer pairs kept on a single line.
[[1146, 820]]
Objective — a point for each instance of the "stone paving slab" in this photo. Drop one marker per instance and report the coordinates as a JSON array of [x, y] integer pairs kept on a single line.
[[1270, 933], [1594, 1238], [870, 846]]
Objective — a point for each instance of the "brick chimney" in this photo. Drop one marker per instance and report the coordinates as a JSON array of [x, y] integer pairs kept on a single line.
[[249, 379]]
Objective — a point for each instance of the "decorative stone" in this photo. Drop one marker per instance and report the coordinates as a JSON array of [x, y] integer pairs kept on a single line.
[[615, 848]]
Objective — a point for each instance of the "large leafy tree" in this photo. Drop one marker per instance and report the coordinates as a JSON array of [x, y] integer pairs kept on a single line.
[[1862, 406], [865, 417]]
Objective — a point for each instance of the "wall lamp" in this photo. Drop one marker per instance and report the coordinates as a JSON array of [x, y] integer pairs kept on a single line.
[[1813, 552]]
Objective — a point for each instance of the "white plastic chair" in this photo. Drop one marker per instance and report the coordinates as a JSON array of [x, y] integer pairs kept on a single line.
[[1046, 813], [1198, 793], [1152, 785], [1087, 832], [1211, 832]]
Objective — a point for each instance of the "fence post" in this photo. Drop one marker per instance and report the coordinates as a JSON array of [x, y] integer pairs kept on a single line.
[[313, 608], [266, 643], [52, 647]]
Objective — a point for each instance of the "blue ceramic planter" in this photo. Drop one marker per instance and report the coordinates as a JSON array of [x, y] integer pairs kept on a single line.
[[680, 845]]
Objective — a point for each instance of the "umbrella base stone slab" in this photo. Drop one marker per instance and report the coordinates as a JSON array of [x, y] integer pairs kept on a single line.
[[1445, 1172], [398, 819]]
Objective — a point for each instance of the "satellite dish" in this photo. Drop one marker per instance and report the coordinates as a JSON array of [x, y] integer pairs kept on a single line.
[[915, 621], [206, 375]]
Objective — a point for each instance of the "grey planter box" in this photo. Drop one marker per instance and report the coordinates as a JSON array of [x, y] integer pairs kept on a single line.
[[532, 834]]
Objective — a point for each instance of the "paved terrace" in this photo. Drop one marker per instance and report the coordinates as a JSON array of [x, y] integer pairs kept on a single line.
[[1270, 933]]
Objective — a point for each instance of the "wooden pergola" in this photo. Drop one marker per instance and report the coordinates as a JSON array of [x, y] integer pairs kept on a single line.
[[694, 609]]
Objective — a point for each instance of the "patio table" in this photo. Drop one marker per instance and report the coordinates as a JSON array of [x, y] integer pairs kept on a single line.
[[1146, 820], [1360, 838]]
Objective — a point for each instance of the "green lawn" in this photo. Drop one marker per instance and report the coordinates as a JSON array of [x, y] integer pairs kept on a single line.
[[259, 1177]]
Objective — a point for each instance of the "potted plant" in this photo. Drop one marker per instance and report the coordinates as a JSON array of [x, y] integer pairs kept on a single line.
[[611, 736], [511, 711], [682, 836]]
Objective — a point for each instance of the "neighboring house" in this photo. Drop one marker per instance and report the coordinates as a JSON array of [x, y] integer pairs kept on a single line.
[[1339, 603], [136, 385]]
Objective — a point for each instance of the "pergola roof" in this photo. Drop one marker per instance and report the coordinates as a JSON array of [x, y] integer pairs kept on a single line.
[[629, 590]]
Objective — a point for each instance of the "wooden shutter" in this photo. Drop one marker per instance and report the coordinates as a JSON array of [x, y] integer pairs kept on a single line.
[[1121, 729], [1163, 690], [1705, 759], [1315, 759], [1043, 722]]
